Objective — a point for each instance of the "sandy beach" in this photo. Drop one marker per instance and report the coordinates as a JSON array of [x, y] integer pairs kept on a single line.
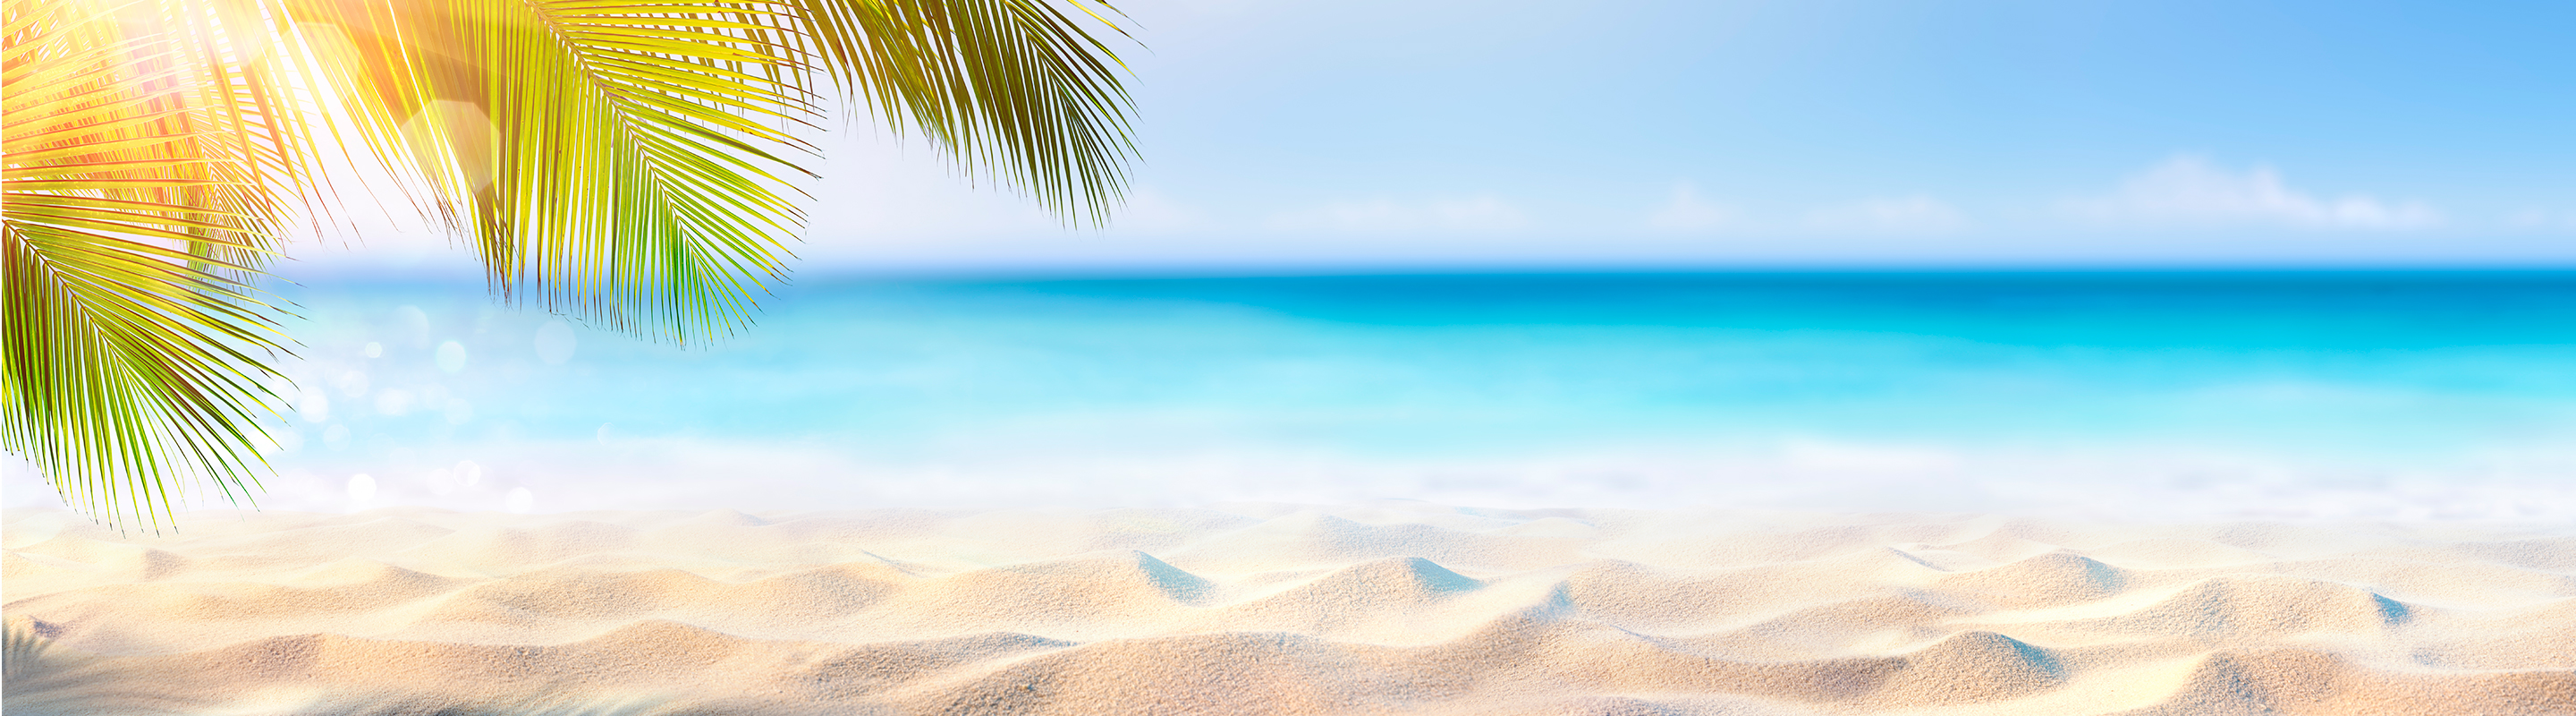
[[1265, 608], [1257, 357]]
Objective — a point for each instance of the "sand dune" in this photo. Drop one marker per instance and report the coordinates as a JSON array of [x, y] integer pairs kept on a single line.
[[1272, 609]]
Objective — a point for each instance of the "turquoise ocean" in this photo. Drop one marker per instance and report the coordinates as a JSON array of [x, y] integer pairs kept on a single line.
[[2165, 395]]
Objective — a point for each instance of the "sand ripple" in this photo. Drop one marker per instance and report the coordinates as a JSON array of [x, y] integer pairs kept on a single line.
[[1262, 609]]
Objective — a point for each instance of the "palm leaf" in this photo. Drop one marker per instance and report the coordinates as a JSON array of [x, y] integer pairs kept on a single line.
[[141, 188], [614, 160], [618, 160], [622, 161], [1015, 87]]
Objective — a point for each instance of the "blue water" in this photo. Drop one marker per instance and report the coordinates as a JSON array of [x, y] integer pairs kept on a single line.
[[2174, 394]]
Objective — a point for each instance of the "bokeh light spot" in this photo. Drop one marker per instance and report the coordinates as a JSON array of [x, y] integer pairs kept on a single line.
[[451, 356], [393, 402], [315, 407], [351, 383], [414, 324], [556, 342]]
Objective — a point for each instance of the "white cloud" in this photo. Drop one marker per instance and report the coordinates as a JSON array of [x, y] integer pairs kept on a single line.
[[2188, 190], [2542, 219], [1149, 211], [1686, 212], [1479, 215], [1892, 215], [879, 190]]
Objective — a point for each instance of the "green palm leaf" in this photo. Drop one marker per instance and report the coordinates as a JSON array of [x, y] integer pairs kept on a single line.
[[141, 196]]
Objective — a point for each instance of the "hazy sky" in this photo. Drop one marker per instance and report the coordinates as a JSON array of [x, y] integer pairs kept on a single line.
[[1438, 133]]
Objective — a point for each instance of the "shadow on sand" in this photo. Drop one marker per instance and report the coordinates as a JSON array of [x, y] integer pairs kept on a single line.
[[45, 679]]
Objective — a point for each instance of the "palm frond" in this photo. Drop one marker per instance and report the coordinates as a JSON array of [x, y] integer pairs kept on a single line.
[[1014, 87], [622, 161], [142, 196], [619, 161]]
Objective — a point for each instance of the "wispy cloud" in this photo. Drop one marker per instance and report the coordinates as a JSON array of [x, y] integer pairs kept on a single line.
[[1891, 215], [880, 191], [1477, 215], [1687, 212], [1151, 212], [2189, 190], [2542, 220]]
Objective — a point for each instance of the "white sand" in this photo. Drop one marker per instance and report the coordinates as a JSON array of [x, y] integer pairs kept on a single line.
[[1283, 609]]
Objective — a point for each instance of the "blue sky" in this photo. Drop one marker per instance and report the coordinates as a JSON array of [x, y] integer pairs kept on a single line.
[[1430, 133]]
